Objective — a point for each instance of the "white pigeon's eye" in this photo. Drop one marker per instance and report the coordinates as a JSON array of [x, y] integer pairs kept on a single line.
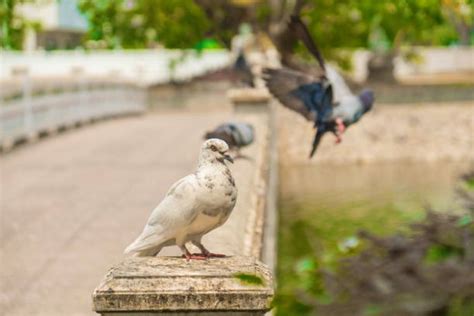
[[213, 148]]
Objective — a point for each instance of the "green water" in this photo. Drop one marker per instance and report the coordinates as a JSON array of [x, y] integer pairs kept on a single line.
[[323, 205]]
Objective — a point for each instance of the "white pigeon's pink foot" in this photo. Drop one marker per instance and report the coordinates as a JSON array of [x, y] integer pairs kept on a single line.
[[194, 256], [215, 255], [206, 253]]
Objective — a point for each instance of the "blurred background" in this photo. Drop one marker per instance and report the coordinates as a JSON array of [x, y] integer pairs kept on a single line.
[[99, 96]]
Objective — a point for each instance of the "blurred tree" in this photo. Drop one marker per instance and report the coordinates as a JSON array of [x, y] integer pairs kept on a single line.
[[144, 23], [225, 18], [384, 26], [12, 25], [176, 23], [461, 14], [335, 23], [265, 16]]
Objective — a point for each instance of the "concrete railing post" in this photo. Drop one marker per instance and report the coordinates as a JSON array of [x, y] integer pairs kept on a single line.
[[237, 285], [249, 100], [79, 110], [30, 133], [173, 286]]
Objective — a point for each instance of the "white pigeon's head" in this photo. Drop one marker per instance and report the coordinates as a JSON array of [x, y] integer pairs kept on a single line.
[[214, 150]]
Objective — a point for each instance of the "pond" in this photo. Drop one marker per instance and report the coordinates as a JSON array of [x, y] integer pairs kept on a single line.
[[324, 204]]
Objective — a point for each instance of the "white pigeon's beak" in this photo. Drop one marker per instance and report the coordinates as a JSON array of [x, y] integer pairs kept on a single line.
[[229, 158]]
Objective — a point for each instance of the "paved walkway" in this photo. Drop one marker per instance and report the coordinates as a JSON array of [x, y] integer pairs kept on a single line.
[[72, 202]]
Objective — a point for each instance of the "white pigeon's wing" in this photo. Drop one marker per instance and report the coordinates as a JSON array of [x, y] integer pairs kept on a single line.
[[176, 211], [339, 85]]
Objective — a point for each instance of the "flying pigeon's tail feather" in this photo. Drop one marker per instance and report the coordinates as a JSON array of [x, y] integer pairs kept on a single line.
[[316, 141], [300, 29]]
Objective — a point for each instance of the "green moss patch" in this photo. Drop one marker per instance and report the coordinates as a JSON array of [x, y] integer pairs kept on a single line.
[[249, 279]]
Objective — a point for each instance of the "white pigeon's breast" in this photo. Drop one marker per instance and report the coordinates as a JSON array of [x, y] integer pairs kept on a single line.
[[220, 191], [212, 215], [203, 224], [216, 201]]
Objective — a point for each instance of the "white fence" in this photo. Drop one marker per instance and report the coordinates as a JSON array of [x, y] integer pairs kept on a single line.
[[29, 116], [429, 61], [67, 90], [436, 60], [143, 67]]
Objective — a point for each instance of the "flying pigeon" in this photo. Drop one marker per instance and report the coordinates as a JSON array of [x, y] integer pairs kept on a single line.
[[325, 99], [195, 205], [235, 134]]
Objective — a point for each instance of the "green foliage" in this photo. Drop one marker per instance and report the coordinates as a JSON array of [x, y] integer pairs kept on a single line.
[[465, 220], [325, 266], [12, 26], [438, 252], [372, 310], [144, 23], [335, 23], [313, 241], [470, 182], [349, 24], [380, 25]]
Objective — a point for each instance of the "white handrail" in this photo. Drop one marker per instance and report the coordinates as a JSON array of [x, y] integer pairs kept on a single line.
[[31, 115], [58, 106], [144, 67]]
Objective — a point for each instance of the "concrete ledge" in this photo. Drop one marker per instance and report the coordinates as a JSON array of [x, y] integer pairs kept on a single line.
[[165, 284]]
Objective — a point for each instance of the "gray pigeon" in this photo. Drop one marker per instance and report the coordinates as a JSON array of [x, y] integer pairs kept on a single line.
[[195, 205], [235, 134], [243, 71], [325, 100]]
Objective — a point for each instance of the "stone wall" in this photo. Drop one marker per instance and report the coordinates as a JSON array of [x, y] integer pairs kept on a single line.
[[410, 133]]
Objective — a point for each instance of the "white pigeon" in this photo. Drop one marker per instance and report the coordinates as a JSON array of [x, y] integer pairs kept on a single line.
[[195, 205]]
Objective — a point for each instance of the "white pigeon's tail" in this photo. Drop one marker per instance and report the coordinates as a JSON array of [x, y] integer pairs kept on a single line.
[[149, 243], [132, 249]]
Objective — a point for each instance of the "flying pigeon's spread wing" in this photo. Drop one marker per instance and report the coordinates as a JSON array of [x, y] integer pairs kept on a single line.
[[177, 210], [283, 83], [301, 31], [340, 87]]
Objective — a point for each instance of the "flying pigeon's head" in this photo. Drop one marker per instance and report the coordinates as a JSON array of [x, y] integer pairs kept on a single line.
[[214, 150], [367, 98]]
